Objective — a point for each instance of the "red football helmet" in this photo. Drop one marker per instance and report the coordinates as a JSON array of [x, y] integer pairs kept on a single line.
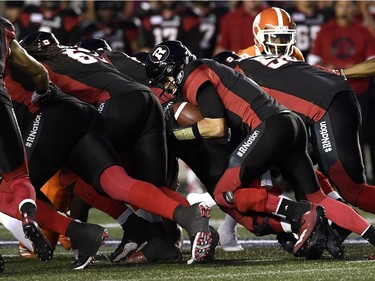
[[275, 31]]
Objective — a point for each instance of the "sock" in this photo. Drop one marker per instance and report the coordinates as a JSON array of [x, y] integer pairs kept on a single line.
[[29, 209], [120, 186], [52, 237], [339, 213], [107, 205], [343, 232], [229, 225], [175, 196], [47, 217]]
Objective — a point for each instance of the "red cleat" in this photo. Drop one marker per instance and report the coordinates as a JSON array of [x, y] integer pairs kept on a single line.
[[310, 222]]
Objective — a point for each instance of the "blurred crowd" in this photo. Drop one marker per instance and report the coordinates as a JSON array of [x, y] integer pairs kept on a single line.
[[206, 27], [209, 27]]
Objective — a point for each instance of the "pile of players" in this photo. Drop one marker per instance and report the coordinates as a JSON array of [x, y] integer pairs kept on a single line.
[[104, 124]]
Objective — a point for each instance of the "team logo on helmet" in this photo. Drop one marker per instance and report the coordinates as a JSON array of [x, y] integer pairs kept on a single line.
[[180, 77], [160, 54]]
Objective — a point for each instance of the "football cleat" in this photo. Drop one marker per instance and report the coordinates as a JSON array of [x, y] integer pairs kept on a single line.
[[215, 241], [287, 240], [194, 219], [334, 243], [2, 264], [123, 250], [157, 249], [309, 224], [42, 247], [88, 238], [314, 247]]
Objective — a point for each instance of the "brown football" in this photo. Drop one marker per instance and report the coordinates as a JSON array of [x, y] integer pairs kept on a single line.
[[186, 113]]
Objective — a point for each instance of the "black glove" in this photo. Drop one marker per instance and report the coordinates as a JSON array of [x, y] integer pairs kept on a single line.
[[170, 121]]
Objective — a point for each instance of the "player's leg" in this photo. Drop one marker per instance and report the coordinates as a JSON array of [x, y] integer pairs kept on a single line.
[[339, 153]]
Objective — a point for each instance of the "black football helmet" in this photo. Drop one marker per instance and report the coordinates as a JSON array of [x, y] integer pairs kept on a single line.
[[141, 56], [39, 39], [94, 44], [225, 57], [166, 60]]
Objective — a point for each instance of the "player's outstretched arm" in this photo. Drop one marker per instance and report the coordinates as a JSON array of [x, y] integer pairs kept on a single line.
[[362, 69], [30, 66]]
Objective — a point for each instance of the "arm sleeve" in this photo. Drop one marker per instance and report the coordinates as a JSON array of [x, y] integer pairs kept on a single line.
[[209, 102]]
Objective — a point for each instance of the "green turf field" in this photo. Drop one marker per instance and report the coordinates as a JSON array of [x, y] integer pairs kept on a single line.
[[258, 262]]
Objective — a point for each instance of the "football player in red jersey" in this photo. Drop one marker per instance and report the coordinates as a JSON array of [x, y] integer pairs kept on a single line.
[[263, 130], [118, 97], [13, 164]]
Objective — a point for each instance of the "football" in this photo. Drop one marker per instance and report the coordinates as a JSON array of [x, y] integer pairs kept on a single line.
[[186, 114]]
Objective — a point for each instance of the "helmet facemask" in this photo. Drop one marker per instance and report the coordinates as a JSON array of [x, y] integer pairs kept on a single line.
[[277, 41]]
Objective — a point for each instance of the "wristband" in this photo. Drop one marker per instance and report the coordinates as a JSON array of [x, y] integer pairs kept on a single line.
[[196, 132], [188, 133], [184, 133], [41, 93], [342, 73]]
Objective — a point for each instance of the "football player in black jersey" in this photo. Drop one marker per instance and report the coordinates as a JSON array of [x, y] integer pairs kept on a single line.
[[267, 134], [134, 124], [13, 163], [330, 111]]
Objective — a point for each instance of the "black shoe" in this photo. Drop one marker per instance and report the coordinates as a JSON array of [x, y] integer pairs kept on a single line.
[[315, 245], [157, 249], [194, 219], [215, 241], [123, 250], [42, 247], [287, 241], [310, 227], [334, 243], [88, 238], [2, 264], [136, 232]]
